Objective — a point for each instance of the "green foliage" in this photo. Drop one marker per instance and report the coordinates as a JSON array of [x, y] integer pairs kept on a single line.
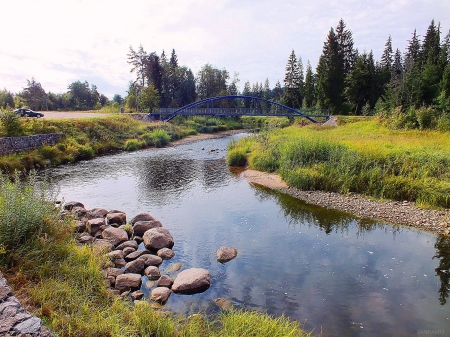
[[132, 145], [160, 137], [237, 157], [11, 123]]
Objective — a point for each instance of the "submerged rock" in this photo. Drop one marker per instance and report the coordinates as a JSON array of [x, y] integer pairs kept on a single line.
[[225, 254], [173, 267], [223, 303], [192, 281]]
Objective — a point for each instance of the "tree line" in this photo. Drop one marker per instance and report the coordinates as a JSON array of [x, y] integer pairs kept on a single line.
[[345, 81]]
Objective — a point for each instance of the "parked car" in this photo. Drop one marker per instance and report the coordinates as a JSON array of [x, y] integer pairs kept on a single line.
[[28, 113]]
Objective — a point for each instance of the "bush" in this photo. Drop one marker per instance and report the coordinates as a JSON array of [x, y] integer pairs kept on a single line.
[[132, 145], [11, 123], [237, 157], [160, 137], [443, 123]]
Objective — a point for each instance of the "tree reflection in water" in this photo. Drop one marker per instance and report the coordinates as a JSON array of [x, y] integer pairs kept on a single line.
[[442, 246]]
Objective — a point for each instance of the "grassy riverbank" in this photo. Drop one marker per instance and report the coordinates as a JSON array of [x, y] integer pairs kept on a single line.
[[359, 156], [63, 283], [90, 137]]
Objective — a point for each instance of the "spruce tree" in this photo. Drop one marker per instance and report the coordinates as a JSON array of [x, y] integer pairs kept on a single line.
[[292, 95], [330, 75], [309, 88], [345, 40]]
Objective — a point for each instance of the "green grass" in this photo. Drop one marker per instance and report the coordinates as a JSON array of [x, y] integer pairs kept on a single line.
[[358, 156]]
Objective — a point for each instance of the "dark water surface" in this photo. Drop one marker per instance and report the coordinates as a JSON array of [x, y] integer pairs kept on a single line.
[[333, 272]]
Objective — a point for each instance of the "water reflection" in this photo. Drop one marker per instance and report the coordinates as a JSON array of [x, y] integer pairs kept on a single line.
[[442, 246]]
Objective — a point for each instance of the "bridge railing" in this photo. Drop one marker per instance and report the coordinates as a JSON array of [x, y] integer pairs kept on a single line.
[[273, 110]]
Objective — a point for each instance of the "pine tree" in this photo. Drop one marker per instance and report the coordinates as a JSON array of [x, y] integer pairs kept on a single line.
[[138, 60], [309, 88], [345, 40], [330, 75], [292, 95]]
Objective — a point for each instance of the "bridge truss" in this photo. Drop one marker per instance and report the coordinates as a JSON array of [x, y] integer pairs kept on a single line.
[[238, 105]]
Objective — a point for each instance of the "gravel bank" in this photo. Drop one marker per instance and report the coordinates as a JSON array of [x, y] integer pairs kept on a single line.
[[394, 212]]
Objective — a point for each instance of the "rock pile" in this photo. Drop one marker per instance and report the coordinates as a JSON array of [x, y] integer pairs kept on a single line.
[[14, 319], [109, 233]]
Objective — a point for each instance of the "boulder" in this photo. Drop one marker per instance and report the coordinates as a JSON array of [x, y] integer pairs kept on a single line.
[[114, 272], [152, 272], [115, 235], [192, 281], [127, 282], [71, 204], [130, 243], [116, 218], [86, 239], [142, 217], [135, 267], [119, 263], [115, 255], [225, 254], [138, 239], [137, 295], [157, 238], [160, 294], [98, 211], [102, 245], [80, 226], [151, 260], [165, 253], [128, 250], [93, 225], [140, 227], [165, 281], [79, 212], [136, 254]]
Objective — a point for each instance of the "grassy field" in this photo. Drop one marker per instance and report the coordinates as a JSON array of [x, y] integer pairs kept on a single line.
[[360, 155], [63, 283]]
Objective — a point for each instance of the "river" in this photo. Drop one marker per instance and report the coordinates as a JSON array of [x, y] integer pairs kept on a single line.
[[335, 273]]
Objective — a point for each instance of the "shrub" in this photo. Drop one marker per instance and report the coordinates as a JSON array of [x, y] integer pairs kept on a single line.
[[132, 145], [237, 157], [443, 123], [11, 123], [160, 137]]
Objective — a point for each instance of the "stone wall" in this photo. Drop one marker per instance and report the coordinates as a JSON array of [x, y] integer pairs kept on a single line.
[[14, 319], [17, 144]]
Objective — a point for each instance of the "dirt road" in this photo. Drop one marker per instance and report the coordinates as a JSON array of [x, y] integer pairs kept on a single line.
[[72, 114]]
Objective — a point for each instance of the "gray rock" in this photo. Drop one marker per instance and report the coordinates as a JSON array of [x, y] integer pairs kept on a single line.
[[165, 281], [157, 238], [166, 253], [140, 227], [142, 217], [127, 282], [71, 204], [136, 254], [192, 281], [115, 235], [160, 294], [130, 243], [116, 218], [151, 260], [93, 225], [135, 267], [31, 325], [128, 250], [225, 254], [152, 272]]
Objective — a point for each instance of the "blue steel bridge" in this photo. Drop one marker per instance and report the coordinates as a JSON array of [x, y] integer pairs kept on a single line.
[[235, 105]]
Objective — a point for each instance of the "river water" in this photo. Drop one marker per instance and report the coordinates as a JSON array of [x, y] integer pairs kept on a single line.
[[335, 273]]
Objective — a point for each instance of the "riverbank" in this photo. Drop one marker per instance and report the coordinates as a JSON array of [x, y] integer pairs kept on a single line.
[[395, 212]]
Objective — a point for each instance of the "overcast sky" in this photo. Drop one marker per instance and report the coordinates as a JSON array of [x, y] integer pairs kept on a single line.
[[61, 41]]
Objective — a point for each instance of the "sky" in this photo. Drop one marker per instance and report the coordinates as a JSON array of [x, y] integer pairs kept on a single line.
[[61, 41]]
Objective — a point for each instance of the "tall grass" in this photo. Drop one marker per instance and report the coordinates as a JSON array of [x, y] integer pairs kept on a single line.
[[359, 156]]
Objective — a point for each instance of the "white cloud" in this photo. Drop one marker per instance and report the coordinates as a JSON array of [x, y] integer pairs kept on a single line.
[[59, 42]]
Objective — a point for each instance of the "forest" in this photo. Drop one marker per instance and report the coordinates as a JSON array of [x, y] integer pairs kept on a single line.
[[409, 89]]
